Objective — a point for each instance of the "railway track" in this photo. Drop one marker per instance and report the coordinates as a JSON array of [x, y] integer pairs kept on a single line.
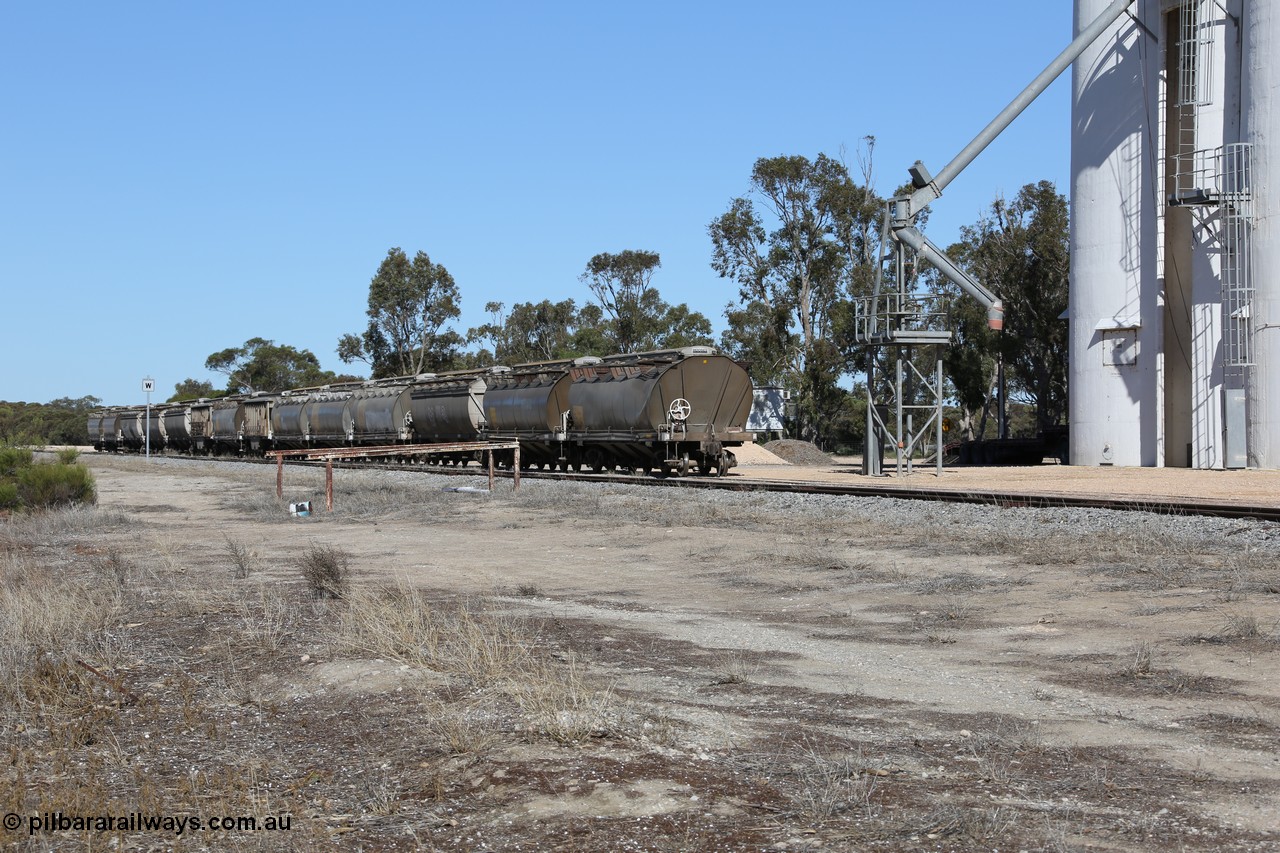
[[745, 483], [1035, 500]]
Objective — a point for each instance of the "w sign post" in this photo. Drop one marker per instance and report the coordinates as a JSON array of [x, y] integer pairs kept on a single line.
[[148, 385]]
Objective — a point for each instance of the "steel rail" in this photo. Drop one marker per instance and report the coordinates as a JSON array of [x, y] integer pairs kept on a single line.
[[1032, 500]]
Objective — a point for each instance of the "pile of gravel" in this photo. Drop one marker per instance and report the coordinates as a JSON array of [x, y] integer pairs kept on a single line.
[[798, 452]]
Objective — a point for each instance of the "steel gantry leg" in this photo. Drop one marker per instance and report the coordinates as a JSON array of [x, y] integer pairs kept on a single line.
[[897, 390], [938, 415], [872, 445]]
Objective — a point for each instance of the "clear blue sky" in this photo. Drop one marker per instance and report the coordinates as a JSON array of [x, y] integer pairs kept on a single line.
[[180, 177]]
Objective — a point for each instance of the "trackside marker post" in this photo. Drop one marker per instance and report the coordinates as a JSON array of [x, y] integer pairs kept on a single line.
[[328, 485]]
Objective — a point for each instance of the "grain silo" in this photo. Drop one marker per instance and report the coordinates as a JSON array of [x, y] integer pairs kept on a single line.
[[1260, 130], [1175, 358]]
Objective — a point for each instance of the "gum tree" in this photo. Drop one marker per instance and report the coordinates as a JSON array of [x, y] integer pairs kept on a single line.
[[637, 318], [797, 247], [410, 302]]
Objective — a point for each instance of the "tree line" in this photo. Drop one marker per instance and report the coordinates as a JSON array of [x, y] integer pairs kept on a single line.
[[796, 250], [413, 301], [61, 421]]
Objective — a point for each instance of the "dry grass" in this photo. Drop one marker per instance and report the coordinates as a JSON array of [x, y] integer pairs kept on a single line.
[[732, 667], [1245, 626], [562, 703], [824, 783], [357, 496], [974, 825], [396, 718], [1140, 661], [266, 616], [399, 622], [44, 617], [326, 570], [1142, 669], [463, 728], [59, 527], [482, 651], [93, 711], [242, 560]]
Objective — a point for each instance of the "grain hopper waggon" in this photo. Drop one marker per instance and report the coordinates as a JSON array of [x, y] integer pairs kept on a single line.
[[676, 410]]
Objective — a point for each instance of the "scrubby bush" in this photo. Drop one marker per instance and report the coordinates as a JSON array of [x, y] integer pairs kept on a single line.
[[54, 484], [327, 570], [27, 484], [12, 459]]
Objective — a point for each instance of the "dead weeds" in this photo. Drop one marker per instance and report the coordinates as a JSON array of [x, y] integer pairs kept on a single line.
[[396, 717]]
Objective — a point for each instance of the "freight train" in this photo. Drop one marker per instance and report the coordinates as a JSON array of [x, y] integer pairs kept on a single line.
[[678, 411]]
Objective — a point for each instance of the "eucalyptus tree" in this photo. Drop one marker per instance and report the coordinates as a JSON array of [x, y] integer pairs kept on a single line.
[[636, 317], [1020, 250], [800, 245], [191, 389], [263, 365], [410, 303], [529, 332]]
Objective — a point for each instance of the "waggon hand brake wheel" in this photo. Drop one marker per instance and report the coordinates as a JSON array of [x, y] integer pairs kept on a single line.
[[679, 409]]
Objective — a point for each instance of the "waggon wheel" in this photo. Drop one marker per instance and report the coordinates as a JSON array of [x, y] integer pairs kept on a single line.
[[684, 464]]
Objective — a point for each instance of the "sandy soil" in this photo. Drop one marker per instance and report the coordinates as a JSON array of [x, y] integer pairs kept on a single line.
[[1064, 697]]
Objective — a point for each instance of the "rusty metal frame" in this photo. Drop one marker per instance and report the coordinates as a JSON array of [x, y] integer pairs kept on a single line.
[[329, 454]]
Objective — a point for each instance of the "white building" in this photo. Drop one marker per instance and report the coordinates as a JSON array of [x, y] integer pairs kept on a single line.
[[1175, 279]]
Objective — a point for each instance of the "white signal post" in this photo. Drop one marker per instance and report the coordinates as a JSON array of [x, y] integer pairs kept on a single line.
[[148, 385]]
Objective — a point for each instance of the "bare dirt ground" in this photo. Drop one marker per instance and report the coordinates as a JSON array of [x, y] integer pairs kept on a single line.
[[584, 668]]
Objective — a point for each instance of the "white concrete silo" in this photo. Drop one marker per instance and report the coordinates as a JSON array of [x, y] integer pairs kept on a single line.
[[1115, 312], [1260, 128], [1199, 99]]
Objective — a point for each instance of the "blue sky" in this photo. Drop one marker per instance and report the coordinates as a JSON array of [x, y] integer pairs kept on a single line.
[[176, 178]]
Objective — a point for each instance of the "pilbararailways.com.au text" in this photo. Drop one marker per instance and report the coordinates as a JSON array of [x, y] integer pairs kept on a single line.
[[141, 822]]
